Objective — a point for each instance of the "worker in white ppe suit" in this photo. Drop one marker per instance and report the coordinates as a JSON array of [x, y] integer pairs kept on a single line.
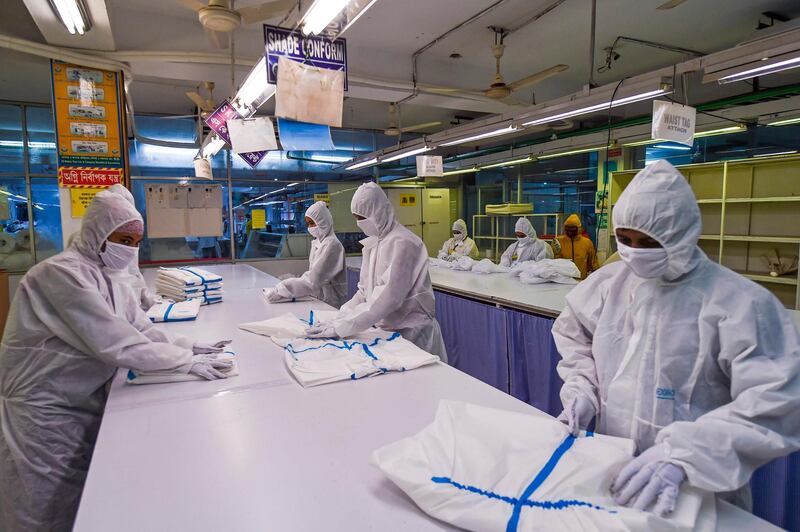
[[527, 247], [394, 290], [695, 363], [326, 278], [460, 245], [70, 326]]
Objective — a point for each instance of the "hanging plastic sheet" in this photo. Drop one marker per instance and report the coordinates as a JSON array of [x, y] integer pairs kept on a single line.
[[534, 357], [475, 338], [302, 136], [168, 311], [309, 94], [252, 134], [160, 377], [485, 469]]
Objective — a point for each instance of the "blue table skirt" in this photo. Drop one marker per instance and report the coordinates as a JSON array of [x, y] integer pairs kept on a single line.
[[352, 283]]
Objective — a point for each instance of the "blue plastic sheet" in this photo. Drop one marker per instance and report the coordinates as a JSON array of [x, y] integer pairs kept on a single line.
[[533, 362], [475, 336], [776, 492], [302, 136], [352, 283]]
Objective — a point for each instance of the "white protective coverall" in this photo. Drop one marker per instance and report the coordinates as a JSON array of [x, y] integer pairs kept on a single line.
[[70, 326], [394, 290], [700, 359], [460, 246], [326, 278], [528, 248]]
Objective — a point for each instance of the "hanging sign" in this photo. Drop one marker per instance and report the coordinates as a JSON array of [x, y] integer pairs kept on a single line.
[[408, 200], [258, 217], [323, 197], [430, 166], [673, 121], [80, 198], [202, 168], [89, 177], [314, 50], [218, 122]]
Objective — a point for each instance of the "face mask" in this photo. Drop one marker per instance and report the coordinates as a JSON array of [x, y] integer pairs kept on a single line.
[[369, 227], [315, 231], [118, 256], [571, 232], [458, 236], [647, 263], [521, 238]]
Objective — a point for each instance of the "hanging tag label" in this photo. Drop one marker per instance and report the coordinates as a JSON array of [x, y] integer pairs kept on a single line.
[[430, 166], [202, 168], [673, 121]]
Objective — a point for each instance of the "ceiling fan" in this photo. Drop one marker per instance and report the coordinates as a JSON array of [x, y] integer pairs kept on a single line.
[[204, 105], [499, 89], [393, 130], [670, 4], [217, 17]]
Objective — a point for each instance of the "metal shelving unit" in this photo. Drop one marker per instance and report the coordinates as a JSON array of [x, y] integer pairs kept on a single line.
[[495, 238], [749, 208]]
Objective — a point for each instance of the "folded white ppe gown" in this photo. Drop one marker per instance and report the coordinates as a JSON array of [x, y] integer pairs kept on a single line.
[[439, 263], [158, 377], [462, 264], [166, 285], [189, 275], [180, 311], [289, 325], [485, 469], [370, 353], [562, 271], [487, 266]]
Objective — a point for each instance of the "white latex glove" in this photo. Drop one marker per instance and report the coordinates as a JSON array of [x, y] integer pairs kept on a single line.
[[214, 360], [274, 297], [200, 348], [207, 371], [578, 414], [653, 479], [321, 330]]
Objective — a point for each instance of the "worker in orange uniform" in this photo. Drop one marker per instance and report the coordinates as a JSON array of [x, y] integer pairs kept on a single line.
[[576, 247]]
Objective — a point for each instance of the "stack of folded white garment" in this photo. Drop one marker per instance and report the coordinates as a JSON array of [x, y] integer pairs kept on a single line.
[[167, 311], [163, 376], [186, 283], [561, 271], [479, 468], [315, 361]]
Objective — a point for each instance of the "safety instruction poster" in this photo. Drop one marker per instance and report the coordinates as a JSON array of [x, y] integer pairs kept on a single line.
[[87, 115], [80, 198], [258, 217], [408, 200], [323, 197]]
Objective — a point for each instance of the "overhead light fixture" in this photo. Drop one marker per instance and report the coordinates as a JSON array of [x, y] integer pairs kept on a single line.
[[406, 153], [571, 152], [462, 171], [493, 133], [767, 65], [360, 12], [320, 14], [598, 107], [670, 147], [255, 91], [721, 131], [73, 15], [786, 122], [512, 162], [789, 152], [363, 164], [331, 159]]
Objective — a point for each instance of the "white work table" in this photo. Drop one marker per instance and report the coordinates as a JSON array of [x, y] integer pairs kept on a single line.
[[258, 452]]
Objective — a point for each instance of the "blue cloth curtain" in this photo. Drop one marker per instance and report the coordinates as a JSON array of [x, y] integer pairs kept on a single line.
[[475, 335], [776, 492], [533, 362]]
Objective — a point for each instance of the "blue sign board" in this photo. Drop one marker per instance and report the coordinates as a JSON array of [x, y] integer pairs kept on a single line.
[[312, 50]]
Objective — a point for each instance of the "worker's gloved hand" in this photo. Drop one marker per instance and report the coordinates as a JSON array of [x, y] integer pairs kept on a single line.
[[653, 479], [200, 348], [273, 296], [321, 330], [578, 414], [207, 371]]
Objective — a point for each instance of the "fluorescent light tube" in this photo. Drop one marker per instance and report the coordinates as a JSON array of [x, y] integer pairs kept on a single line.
[[73, 15], [786, 122], [720, 131], [407, 153], [790, 152], [763, 70], [462, 171], [668, 147], [362, 164], [598, 107], [254, 91], [495, 133], [333, 159], [320, 14], [508, 163], [572, 152]]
